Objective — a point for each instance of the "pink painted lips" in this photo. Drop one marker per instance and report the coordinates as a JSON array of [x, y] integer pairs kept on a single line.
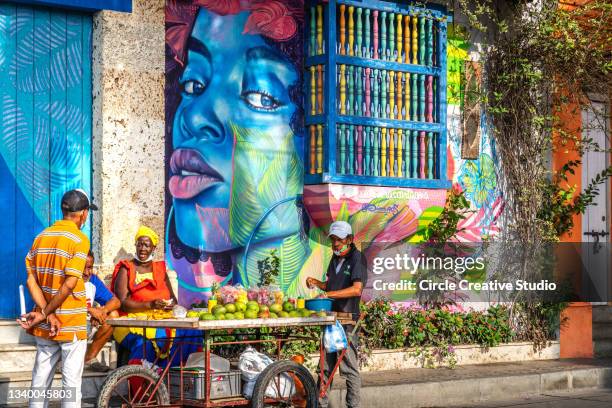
[[190, 174]]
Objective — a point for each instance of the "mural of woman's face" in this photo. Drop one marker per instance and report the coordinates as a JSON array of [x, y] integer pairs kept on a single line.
[[232, 122]]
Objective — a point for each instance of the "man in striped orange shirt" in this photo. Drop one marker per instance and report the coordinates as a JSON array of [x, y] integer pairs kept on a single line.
[[55, 266]]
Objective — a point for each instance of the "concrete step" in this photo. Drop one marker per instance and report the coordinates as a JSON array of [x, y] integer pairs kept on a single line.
[[602, 314], [12, 333], [20, 357], [420, 387], [602, 331], [13, 384]]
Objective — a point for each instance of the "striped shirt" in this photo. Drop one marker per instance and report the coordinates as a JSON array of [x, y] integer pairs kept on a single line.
[[60, 251]]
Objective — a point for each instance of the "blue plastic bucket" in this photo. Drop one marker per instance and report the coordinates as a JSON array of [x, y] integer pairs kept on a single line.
[[319, 304]]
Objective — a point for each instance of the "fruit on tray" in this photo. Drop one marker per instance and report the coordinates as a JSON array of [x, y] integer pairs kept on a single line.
[[288, 307], [237, 303]]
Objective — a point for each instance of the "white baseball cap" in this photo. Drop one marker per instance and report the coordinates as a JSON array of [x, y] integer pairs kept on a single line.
[[341, 229]]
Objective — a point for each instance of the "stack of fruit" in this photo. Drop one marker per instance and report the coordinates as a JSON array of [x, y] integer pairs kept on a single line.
[[262, 306]]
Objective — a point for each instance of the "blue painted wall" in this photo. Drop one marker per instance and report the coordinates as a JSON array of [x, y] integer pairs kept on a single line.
[[45, 128], [83, 5]]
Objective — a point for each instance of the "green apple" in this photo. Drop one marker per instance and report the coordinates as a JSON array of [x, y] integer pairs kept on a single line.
[[276, 308], [288, 307], [252, 303], [241, 307], [238, 315], [229, 316], [230, 307], [219, 309], [250, 314]]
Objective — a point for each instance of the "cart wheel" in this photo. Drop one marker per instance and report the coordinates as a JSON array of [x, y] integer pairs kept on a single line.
[[285, 384], [132, 386]]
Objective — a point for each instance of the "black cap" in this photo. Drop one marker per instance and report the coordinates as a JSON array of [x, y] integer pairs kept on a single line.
[[77, 200]]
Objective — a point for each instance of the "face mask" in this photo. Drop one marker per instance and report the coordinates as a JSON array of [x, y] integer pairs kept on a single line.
[[149, 259], [342, 251]]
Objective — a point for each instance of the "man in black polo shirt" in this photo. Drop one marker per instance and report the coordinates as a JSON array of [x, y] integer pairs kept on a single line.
[[346, 277]]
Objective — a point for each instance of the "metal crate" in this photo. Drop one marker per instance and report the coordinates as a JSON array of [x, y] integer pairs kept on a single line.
[[223, 385]]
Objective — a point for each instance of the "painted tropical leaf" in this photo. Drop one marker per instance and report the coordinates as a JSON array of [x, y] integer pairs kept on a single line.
[[425, 219], [367, 225], [65, 115], [292, 255], [15, 128], [343, 213]]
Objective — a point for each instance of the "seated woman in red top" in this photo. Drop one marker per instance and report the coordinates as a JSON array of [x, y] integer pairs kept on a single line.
[[143, 287]]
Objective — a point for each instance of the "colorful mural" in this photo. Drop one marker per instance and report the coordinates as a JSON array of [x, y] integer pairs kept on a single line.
[[234, 103], [234, 133], [477, 178], [45, 131]]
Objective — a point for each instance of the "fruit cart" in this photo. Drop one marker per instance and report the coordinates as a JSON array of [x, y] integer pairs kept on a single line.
[[283, 383]]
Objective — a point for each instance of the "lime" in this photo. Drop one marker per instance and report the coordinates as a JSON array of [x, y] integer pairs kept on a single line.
[[207, 316], [229, 316], [193, 313], [219, 316]]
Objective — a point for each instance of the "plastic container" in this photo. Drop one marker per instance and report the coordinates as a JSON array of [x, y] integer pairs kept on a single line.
[[317, 305], [223, 384], [301, 304]]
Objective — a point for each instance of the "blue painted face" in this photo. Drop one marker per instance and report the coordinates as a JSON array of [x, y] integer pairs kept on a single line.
[[234, 87]]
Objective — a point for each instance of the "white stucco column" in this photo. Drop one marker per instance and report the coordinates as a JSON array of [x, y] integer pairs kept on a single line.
[[128, 128]]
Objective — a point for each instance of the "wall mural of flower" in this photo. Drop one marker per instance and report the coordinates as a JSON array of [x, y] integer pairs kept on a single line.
[[478, 180]]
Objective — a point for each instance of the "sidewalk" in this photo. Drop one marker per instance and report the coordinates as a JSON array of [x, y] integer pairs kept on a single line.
[[583, 399], [550, 383], [420, 387]]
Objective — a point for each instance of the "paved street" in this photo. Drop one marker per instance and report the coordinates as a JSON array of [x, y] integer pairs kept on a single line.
[[585, 399]]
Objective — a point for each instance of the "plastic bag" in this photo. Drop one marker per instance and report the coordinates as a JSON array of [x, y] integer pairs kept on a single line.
[[251, 364], [217, 363], [228, 294], [179, 312], [334, 338]]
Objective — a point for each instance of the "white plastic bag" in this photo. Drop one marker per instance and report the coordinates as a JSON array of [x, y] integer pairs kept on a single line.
[[217, 364], [251, 364], [334, 338]]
